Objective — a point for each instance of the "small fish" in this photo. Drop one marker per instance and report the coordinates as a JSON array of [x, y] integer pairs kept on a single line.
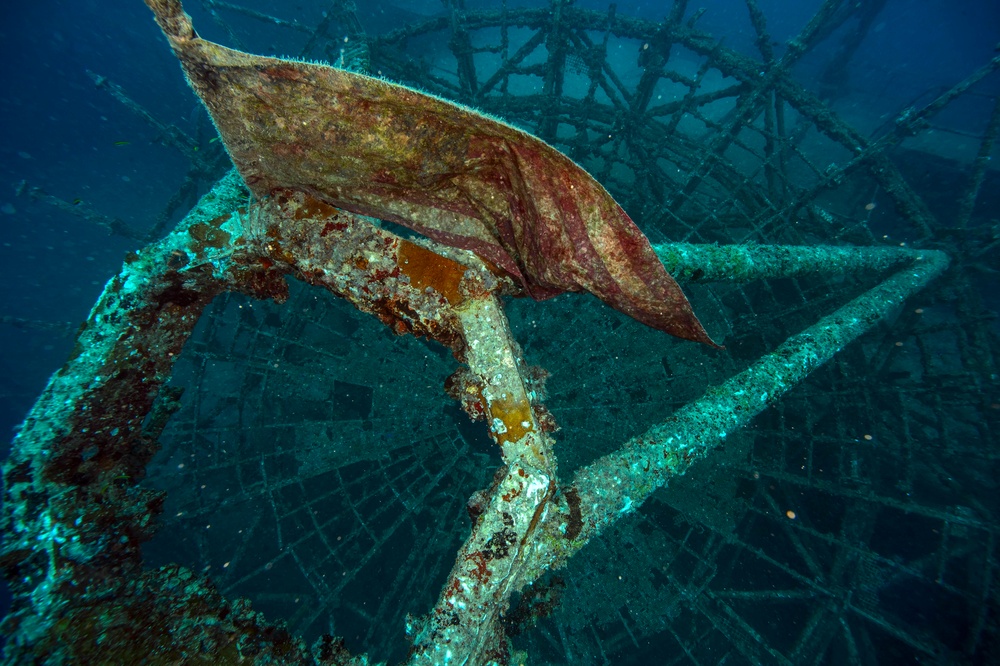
[[77, 202], [213, 139], [122, 143]]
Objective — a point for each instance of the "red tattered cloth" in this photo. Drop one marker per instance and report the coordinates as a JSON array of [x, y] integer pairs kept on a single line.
[[456, 176]]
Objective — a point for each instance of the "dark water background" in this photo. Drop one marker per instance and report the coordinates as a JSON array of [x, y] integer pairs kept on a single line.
[[59, 132]]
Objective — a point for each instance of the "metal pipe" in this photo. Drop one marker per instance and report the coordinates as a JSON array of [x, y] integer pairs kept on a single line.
[[618, 483]]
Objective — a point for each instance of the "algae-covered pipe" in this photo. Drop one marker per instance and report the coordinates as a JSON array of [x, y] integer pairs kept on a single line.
[[688, 262], [621, 481]]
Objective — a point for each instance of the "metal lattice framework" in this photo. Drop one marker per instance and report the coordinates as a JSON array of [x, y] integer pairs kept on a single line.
[[314, 466]]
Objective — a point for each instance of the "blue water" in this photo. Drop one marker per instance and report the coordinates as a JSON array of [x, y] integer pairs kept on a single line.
[[61, 133]]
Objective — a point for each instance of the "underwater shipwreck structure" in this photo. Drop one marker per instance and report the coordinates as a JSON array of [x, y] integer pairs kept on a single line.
[[237, 467]]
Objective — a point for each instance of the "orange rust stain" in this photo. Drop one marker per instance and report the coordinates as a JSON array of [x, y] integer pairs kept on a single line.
[[514, 415], [429, 269], [312, 209]]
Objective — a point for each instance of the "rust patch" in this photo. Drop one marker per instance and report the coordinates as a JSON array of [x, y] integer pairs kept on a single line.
[[429, 269], [513, 414], [311, 208]]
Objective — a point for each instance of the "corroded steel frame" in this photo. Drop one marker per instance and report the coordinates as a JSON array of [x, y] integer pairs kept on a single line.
[[76, 512]]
